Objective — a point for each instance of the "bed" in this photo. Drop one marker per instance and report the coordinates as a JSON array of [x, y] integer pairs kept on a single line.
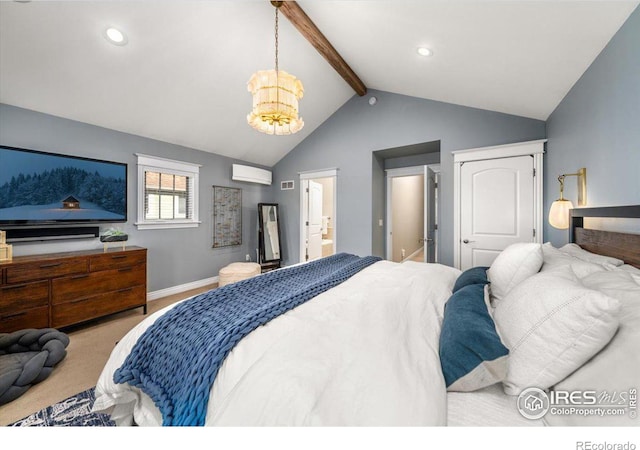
[[413, 344]]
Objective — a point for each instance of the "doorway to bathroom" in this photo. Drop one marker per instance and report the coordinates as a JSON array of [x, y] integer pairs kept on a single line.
[[318, 214]]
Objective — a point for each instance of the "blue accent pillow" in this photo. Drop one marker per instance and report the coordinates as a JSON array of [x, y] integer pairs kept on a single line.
[[475, 275], [472, 354]]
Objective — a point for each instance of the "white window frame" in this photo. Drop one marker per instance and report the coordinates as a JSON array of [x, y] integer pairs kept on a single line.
[[148, 163]]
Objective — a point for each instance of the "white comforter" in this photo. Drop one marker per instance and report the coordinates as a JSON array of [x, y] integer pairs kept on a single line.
[[362, 353]]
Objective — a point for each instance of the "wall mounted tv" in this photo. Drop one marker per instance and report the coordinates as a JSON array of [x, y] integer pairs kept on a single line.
[[40, 188]]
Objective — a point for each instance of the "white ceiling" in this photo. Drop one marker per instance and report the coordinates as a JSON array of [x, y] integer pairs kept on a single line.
[[182, 76]]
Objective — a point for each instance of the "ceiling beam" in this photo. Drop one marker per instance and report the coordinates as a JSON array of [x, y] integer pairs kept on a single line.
[[310, 31]]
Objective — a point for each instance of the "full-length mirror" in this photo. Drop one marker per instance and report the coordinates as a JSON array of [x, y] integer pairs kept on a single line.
[[269, 232]]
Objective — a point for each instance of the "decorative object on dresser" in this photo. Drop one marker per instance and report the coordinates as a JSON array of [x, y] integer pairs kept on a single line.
[[6, 250], [62, 289], [114, 235]]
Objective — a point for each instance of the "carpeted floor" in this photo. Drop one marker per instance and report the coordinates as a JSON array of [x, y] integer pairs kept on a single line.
[[74, 411]]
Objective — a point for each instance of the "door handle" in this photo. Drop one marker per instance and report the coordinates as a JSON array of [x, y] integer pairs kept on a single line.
[[467, 241]]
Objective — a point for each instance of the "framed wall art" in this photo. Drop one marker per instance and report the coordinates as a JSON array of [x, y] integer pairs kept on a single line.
[[227, 216]]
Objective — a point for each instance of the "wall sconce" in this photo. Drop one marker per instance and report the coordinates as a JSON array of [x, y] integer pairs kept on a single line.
[[559, 212]]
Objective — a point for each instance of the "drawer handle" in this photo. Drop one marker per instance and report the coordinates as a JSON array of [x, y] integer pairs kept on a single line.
[[20, 286], [10, 316], [78, 300], [79, 277], [125, 269], [47, 266], [125, 290], [118, 256]]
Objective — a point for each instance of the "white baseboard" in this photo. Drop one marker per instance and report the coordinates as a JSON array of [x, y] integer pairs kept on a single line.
[[155, 295]]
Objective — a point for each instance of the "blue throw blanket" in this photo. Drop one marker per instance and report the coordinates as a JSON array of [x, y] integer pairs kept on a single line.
[[178, 357]]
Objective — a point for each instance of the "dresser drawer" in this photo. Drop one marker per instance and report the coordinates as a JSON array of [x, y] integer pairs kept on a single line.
[[77, 311], [117, 260], [30, 318], [19, 297], [45, 269], [86, 285]]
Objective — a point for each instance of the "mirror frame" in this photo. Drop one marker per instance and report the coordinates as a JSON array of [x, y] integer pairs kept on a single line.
[[261, 233]]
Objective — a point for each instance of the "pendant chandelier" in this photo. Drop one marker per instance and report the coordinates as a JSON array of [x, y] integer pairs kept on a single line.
[[275, 97]]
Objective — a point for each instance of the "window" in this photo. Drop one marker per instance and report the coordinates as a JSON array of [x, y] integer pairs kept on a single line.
[[167, 193]]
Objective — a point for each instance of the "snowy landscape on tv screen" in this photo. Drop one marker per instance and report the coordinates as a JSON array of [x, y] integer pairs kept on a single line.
[[41, 187]]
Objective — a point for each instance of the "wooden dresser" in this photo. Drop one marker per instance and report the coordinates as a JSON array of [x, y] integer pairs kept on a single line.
[[62, 289]]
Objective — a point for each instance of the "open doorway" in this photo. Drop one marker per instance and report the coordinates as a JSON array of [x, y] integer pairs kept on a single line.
[[419, 154], [318, 215], [412, 205]]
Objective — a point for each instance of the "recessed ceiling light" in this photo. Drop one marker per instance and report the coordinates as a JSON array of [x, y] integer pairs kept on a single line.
[[424, 51], [115, 36]]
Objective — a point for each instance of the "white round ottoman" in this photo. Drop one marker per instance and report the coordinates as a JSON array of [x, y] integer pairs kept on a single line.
[[237, 271]]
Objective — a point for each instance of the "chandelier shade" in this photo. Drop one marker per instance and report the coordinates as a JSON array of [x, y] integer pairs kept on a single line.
[[275, 102], [275, 97]]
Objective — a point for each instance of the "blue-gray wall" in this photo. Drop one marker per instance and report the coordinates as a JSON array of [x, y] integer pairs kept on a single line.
[[597, 126], [175, 256], [347, 140]]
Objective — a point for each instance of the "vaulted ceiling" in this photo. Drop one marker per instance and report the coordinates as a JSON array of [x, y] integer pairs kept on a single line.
[[182, 76]]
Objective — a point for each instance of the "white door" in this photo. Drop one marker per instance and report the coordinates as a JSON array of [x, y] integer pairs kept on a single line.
[[497, 207], [314, 224]]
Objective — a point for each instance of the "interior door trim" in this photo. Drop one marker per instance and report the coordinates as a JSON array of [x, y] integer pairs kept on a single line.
[[304, 213]]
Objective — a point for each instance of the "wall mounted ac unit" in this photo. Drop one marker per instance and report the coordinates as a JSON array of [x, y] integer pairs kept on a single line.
[[250, 174]]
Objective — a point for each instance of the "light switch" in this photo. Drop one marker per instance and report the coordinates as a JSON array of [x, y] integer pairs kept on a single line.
[[380, 222]]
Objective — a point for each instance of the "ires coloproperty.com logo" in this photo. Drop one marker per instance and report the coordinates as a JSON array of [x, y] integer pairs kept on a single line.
[[534, 403]]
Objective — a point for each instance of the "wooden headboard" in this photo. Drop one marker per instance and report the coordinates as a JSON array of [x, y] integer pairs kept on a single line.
[[624, 246]]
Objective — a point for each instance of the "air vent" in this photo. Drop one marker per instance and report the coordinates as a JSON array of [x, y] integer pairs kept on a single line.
[[286, 185]]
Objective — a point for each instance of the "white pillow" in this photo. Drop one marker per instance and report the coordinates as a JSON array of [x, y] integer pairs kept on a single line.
[[616, 367], [552, 325], [513, 265], [554, 258], [580, 253]]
